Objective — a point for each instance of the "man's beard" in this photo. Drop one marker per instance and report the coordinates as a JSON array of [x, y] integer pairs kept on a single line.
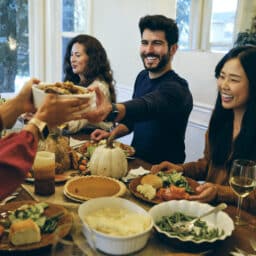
[[161, 65]]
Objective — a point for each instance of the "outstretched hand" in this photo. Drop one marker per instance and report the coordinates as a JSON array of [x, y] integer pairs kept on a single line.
[[24, 99], [103, 107]]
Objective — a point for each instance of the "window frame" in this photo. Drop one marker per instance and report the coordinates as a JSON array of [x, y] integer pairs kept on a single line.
[[200, 25], [45, 40]]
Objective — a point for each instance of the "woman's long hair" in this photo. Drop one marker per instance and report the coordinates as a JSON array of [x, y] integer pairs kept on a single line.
[[223, 150], [98, 66]]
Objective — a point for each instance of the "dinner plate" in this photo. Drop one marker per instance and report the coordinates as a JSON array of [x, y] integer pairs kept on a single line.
[[93, 186], [64, 226], [137, 181], [59, 178], [72, 198]]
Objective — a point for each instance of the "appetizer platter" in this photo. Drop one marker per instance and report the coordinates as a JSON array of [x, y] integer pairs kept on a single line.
[[160, 187], [38, 222]]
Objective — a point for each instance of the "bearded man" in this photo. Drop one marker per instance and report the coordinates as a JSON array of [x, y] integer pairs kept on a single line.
[[159, 111]]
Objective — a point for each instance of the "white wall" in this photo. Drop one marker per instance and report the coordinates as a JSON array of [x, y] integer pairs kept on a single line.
[[115, 24]]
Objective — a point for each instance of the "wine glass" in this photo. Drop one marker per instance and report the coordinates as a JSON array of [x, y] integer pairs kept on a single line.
[[75, 244], [242, 181]]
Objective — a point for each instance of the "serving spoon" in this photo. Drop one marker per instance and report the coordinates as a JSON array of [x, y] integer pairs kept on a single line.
[[189, 225]]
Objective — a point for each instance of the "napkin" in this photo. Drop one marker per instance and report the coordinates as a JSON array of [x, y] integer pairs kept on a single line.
[[134, 173], [76, 143]]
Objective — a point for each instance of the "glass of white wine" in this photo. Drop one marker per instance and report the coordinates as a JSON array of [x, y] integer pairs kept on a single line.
[[242, 181]]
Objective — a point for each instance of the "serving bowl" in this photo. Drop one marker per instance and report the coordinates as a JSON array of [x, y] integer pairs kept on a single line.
[[39, 95], [114, 244], [219, 220]]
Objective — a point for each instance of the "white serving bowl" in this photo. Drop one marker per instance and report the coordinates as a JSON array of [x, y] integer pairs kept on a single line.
[[220, 220], [39, 96], [115, 245]]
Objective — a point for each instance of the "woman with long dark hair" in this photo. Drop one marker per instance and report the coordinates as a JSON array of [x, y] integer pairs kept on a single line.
[[86, 64], [232, 130]]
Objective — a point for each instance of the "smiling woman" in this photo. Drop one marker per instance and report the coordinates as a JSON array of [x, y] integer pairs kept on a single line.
[[232, 130]]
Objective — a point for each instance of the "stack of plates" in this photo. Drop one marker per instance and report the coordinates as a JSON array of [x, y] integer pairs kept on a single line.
[[84, 188]]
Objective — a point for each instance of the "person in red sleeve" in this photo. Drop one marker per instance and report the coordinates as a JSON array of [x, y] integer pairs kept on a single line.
[[17, 150]]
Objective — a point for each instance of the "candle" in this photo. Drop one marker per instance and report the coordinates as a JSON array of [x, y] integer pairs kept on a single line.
[[44, 173]]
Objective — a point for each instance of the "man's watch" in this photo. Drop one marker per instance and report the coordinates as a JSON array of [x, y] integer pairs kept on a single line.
[[113, 114], [41, 126]]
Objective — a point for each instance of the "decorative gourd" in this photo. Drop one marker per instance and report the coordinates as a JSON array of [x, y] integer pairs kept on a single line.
[[108, 160]]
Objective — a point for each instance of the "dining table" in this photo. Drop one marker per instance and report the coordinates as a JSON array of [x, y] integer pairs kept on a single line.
[[157, 244]]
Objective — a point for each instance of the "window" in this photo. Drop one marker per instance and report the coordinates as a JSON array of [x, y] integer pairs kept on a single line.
[[206, 24], [14, 57], [51, 24], [75, 20]]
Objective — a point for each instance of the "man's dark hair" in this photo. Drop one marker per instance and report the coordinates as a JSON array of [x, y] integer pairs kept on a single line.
[[160, 22]]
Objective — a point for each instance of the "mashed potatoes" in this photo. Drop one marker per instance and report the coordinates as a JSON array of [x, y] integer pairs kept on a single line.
[[117, 221]]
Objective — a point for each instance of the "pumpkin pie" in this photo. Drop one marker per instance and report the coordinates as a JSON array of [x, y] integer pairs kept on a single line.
[[88, 187]]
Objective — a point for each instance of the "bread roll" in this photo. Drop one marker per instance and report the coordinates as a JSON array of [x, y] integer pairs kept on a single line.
[[24, 232], [153, 180]]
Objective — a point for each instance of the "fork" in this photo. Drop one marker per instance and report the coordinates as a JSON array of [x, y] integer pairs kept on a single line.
[[188, 225], [9, 198], [240, 252], [253, 244]]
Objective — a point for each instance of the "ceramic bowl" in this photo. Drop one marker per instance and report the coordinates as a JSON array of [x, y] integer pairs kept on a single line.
[[110, 244], [221, 220], [39, 96]]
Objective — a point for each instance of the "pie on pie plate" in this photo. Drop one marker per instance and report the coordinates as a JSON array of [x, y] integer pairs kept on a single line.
[[88, 187]]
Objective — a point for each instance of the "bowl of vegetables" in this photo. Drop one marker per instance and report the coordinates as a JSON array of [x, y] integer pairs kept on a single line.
[[212, 228]]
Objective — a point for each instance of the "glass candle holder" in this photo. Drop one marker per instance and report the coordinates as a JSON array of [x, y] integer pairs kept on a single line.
[[44, 173]]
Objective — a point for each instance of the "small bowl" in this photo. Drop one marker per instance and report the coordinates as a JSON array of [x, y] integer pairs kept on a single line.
[[114, 245], [39, 96], [220, 220]]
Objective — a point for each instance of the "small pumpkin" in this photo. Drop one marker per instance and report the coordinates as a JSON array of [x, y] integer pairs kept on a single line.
[[108, 160]]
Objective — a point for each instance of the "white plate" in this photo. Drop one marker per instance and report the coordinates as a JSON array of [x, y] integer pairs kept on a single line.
[[72, 198], [220, 220]]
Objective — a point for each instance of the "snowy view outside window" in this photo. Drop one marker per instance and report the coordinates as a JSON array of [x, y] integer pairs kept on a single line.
[[14, 38], [14, 57]]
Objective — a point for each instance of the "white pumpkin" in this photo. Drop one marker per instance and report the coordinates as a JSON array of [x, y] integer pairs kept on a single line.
[[107, 161]]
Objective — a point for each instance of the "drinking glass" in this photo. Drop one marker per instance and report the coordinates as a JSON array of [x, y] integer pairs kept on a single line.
[[44, 173], [73, 245], [242, 181]]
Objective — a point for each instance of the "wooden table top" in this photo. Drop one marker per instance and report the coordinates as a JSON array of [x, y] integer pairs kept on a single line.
[[160, 246]]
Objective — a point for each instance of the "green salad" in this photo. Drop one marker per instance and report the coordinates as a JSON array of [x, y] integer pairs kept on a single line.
[[175, 178]]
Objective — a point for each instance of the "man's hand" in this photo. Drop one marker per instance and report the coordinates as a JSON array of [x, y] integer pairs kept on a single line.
[[103, 107], [99, 134], [57, 110]]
